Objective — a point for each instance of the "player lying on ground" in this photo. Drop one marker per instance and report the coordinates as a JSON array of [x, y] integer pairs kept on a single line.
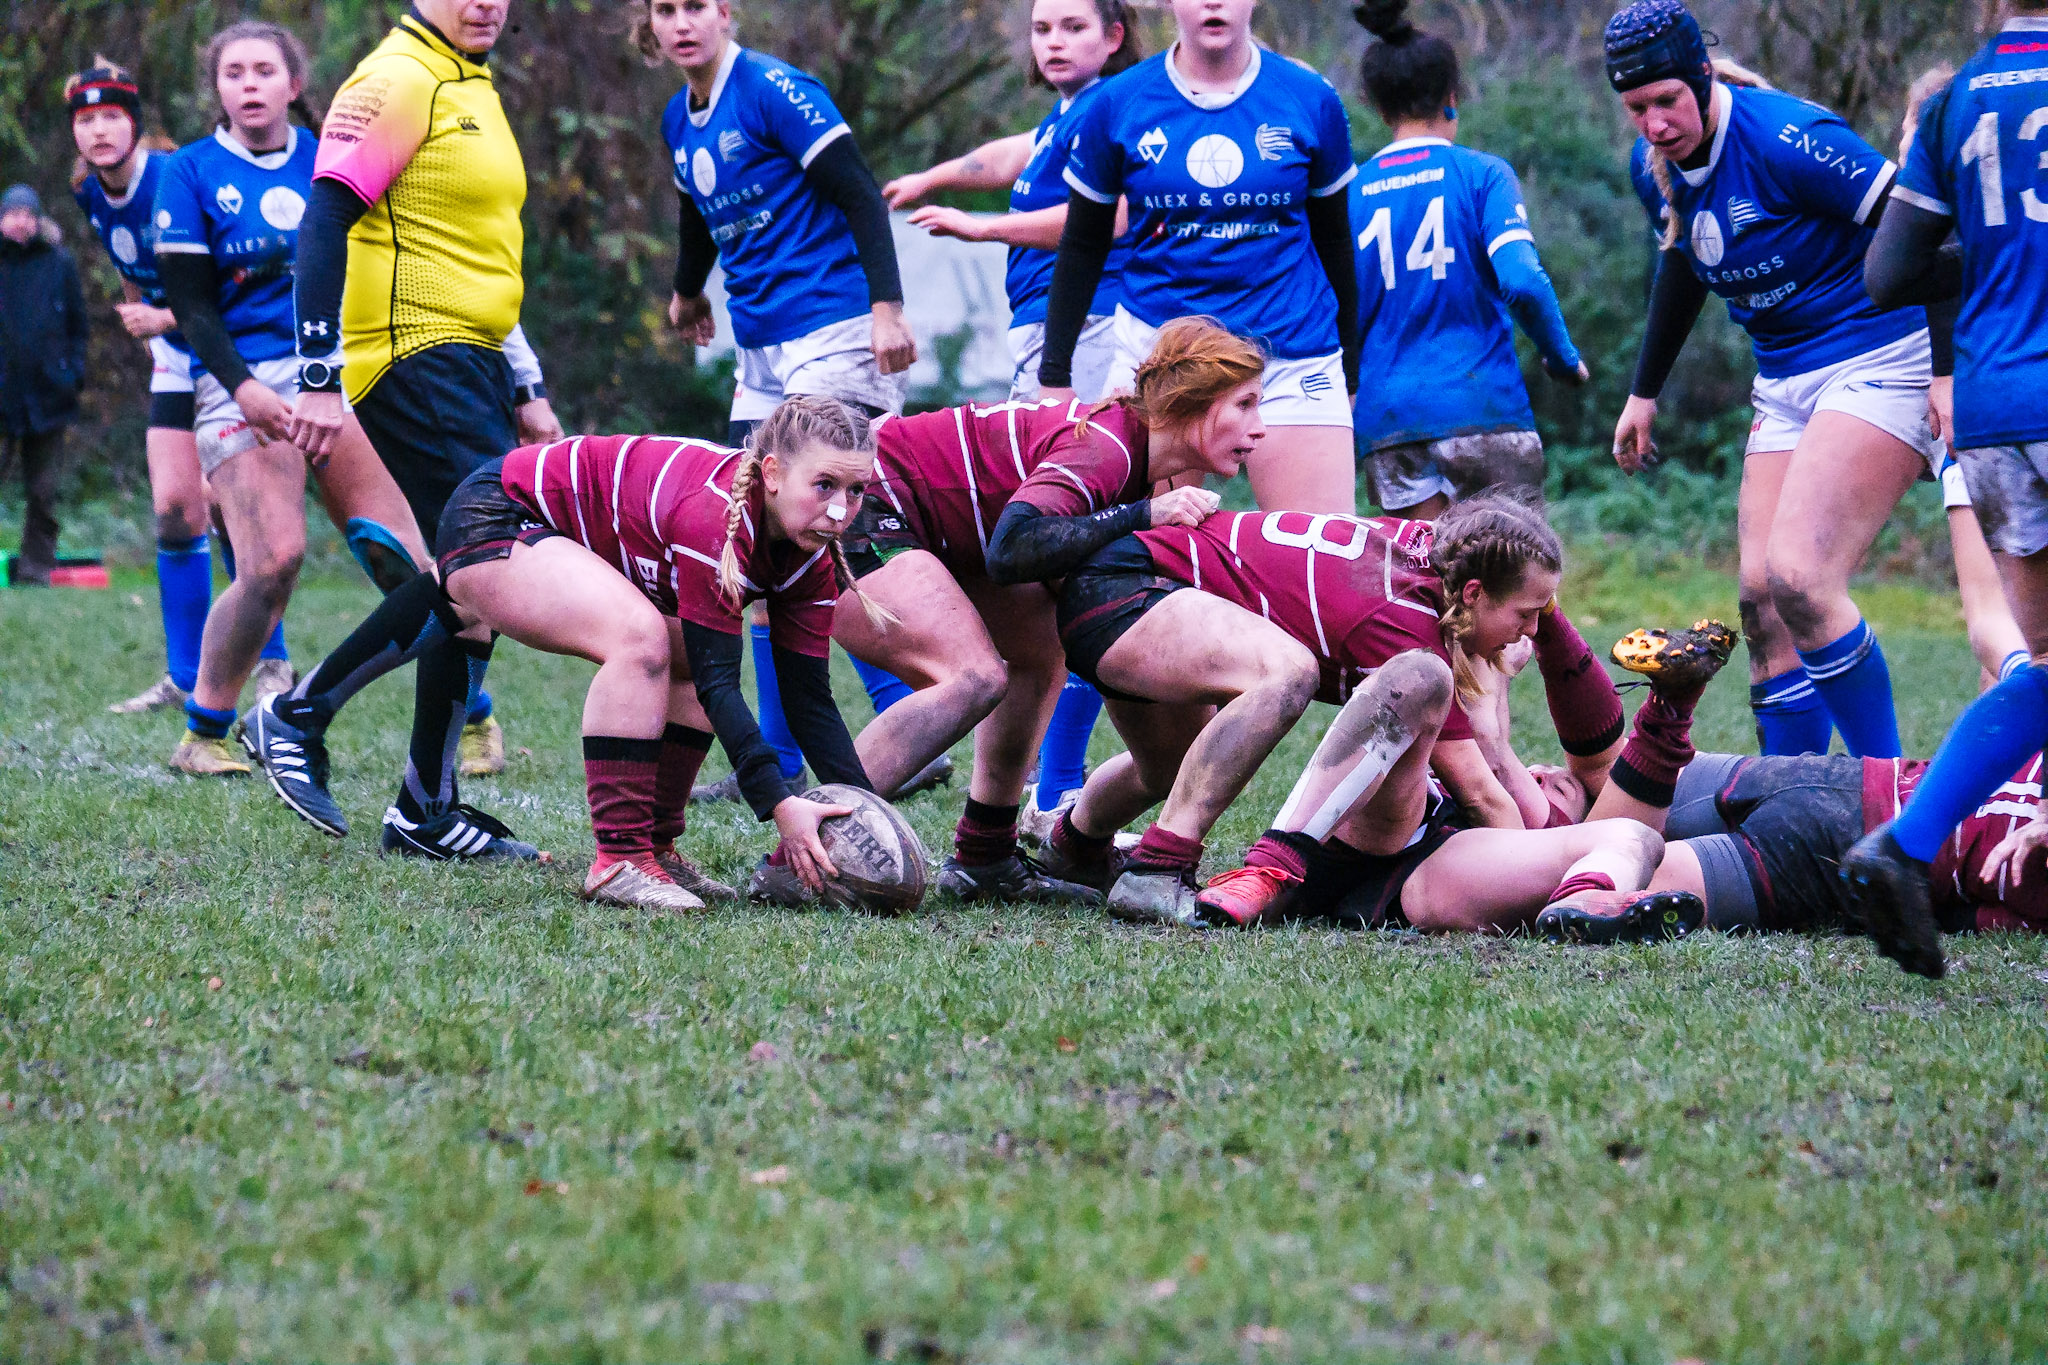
[[974, 511], [583, 547], [1288, 607]]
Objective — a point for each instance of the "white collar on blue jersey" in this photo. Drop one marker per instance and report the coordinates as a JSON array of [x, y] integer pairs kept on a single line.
[[2026, 23], [1405, 143], [1067, 101], [120, 201], [700, 117], [269, 161], [1219, 99], [1724, 114]]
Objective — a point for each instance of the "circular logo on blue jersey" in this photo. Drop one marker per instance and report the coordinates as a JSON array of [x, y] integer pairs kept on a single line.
[[704, 170], [282, 208], [1708, 245], [163, 218], [1214, 161], [122, 243]]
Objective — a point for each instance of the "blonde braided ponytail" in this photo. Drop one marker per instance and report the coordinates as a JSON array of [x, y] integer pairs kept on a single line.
[[1491, 539]]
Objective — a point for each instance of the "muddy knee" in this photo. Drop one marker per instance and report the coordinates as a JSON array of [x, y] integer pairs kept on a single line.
[[178, 520], [1800, 600], [1418, 686]]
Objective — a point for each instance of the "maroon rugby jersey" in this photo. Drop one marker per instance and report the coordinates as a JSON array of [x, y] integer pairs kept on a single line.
[[655, 508], [1355, 590], [950, 473], [1964, 898]]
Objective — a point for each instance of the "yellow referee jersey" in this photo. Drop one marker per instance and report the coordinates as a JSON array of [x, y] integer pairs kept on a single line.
[[418, 132]]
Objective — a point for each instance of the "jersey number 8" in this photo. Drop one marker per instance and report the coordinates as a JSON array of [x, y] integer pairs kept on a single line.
[[1313, 538], [1428, 251], [1981, 146]]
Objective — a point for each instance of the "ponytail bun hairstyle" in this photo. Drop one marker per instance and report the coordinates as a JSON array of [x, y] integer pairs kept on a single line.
[[1493, 540], [1408, 74], [798, 424]]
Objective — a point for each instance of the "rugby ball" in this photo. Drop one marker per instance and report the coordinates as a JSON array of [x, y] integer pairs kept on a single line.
[[881, 860]]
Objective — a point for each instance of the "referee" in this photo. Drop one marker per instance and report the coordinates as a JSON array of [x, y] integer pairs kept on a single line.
[[409, 257]]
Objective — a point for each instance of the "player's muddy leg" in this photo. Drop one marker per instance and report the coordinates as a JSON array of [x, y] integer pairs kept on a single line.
[[939, 646], [354, 483], [1156, 738], [1492, 880], [1020, 622], [1790, 718]]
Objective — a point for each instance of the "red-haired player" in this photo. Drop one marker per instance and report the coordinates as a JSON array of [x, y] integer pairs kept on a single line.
[[975, 511]]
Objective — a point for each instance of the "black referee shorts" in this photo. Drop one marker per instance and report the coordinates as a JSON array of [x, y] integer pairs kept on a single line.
[[435, 418]]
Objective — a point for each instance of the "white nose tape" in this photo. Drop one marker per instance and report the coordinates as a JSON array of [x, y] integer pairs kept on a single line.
[[836, 511]]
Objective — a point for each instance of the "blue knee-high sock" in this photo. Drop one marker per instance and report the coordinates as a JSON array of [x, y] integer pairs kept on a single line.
[[1063, 757], [273, 648], [184, 579], [774, 727], [885, 689], [1991, 740], [479, 708], [1852, 679], [1790, 717]]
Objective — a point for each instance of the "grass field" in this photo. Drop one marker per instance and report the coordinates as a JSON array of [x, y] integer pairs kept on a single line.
[[267, 1095]]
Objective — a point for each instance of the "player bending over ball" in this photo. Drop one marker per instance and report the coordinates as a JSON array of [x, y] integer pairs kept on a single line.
[[1210, 641], [641, 553], [975, 513]]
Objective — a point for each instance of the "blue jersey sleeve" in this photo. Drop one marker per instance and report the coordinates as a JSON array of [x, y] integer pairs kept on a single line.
[[1501, 210], [180, 212], [1330, 166], [1095, 165], [1924, 182], [1823, 168], [794, 114]]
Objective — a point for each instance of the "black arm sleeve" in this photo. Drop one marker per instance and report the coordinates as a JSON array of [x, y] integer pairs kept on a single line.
[[846, 183], [1030, 547], [1675, 302], [715, 668], [1329, 228], [1906, 262], [1941, 335], [193, 292], [696, 253], [805, 682], [322, 265], [1084, 251]]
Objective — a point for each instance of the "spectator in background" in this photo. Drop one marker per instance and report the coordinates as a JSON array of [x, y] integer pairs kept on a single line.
[[42, 365]]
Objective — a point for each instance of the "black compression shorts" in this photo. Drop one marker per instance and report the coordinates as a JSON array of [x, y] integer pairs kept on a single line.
[[878, 534], [1363, 890], [1102, 600], [481, 522], [1787, 821], [436, 417]]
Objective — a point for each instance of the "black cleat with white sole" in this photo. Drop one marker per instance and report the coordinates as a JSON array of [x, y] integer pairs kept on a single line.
[[295, 761], [1889, 888], [458, 834], [1016, 878]]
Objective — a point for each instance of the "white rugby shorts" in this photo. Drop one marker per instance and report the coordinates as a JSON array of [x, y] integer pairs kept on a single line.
[[1298, 393], [1886, 387], [221, 429], [1094, 353], [170, 369], [835, 361]]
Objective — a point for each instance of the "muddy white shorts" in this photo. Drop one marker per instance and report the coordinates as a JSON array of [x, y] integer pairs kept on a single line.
[[1886, 387], [836, 361], [1298, 393], [1094, 353], [2009, 489], [222, 430]]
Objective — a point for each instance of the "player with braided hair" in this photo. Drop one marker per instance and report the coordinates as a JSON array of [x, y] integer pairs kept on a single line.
[[977, 512], [584, 547], [1286, 608], [1771, 202], [1429, 430]]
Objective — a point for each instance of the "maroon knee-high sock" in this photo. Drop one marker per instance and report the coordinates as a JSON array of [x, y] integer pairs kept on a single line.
[[1583, 881], [985, 835], [1659, 746], [620, 776], [1161, 850], [1584, 706], [682, 754]]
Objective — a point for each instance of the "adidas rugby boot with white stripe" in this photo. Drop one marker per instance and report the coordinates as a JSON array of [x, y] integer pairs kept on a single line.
[[460, 833], [295, 761]]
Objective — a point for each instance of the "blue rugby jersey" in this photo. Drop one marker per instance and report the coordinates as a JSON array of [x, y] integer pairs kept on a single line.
[[126, 226], [1981, 158], [1775, 223], [1219, 191], [790, 263], [219, 199], [1042, 185], [1442, 238]]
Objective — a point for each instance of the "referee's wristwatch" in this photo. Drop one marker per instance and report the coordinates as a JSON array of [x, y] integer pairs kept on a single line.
[[319, 376]]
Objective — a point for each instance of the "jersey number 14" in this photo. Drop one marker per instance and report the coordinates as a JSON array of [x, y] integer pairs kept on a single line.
[[1428, 251], [1981, 146]]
